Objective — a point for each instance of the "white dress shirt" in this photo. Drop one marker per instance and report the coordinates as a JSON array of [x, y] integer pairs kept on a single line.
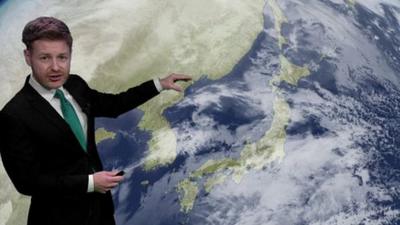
[[55, 103]]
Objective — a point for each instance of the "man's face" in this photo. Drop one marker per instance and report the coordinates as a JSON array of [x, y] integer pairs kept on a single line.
[[50, 61]]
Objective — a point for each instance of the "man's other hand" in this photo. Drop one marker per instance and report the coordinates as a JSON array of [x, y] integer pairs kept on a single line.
[[168, 82], [105, 181]]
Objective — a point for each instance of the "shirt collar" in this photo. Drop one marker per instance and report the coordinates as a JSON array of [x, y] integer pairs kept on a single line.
[[45, 93]]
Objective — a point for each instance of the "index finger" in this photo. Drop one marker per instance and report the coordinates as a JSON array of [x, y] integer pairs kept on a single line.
[[181, 77], [116, 178]]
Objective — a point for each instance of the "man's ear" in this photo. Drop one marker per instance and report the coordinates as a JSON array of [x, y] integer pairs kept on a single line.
[[27, 55]]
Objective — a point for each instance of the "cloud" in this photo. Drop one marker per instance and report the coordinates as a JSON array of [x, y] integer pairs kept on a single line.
[[314, 184], [222, 113]]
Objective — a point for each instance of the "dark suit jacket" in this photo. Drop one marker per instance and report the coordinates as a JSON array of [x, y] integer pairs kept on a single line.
[[44, 159]]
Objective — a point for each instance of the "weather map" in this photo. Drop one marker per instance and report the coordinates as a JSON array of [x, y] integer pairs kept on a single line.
[[291, 117]]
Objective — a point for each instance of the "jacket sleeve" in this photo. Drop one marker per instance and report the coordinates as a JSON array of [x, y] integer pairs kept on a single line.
[[113, 105], [21, 163]]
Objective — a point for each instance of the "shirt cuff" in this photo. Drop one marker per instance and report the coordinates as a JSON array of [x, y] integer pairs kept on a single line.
[[158, 84], [90, 187]]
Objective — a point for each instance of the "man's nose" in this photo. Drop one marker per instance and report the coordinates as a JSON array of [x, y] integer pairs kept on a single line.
[[54, 65]]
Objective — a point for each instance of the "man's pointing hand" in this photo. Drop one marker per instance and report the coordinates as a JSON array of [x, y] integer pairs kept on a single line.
[[168, 82]]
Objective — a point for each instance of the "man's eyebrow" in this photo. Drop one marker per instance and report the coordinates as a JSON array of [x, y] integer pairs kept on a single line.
[[46, 53]]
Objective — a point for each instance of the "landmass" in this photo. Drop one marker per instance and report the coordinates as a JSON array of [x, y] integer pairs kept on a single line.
[[145, 183], [102, 134], [189, 190], [279, 18], [351, 2], [184, 36], [254, 156]]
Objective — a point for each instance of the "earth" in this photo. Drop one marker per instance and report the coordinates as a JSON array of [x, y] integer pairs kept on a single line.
[[292, 116]]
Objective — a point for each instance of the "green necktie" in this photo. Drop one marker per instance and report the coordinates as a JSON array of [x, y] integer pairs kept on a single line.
[[71, 118]]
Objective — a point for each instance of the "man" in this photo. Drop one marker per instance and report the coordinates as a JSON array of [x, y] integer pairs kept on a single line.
[[47, 136]]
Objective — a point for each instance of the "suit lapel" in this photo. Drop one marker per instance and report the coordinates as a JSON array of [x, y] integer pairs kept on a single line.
[[44, 107], [79, 95]]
